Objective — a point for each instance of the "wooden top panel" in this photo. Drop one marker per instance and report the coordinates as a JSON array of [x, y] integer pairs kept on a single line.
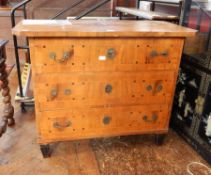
[[99, 28]]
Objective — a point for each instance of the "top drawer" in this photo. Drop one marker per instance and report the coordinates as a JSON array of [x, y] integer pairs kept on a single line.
[[68, 55]]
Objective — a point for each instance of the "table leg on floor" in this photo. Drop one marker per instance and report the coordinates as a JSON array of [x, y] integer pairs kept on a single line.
[[8, 111]]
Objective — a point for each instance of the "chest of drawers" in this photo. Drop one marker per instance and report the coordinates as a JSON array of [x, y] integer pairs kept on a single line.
[[102, 78]]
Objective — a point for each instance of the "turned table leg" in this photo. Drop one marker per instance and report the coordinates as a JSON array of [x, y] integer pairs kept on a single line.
[[8, 110]]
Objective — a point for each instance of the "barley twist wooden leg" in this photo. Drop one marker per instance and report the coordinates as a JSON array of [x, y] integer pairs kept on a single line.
[[8, 111]]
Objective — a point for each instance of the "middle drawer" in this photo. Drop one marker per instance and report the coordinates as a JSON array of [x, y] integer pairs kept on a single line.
[[64, 91]]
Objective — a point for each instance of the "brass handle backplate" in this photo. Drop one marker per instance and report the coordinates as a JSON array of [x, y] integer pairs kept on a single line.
[[111, 53], [159, 88], [154, 53], [67, 91], [155, 88], [149, 88], [153, 118], [53, 93], [164, 53], [61, 126], [66, 55]]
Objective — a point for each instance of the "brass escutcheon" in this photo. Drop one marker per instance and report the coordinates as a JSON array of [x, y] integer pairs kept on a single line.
[[106, 120], [111, 53], [108, 88]]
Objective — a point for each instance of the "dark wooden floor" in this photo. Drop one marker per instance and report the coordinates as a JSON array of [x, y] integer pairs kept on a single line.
[[131, 155]]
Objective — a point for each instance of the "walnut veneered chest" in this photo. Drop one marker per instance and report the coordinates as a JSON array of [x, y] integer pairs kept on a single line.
[[102, 78]]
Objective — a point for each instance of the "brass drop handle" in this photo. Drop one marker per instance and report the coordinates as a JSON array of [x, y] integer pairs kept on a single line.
[[66, 55], [111, 53], [153, 118], [154, 53], [53, 93], [57, 125]]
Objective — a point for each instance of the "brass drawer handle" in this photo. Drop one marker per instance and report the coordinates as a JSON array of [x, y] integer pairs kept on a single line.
[[59, 126], [106, 120], [111, 53], [154, 118], [154, 53], [65, 57]]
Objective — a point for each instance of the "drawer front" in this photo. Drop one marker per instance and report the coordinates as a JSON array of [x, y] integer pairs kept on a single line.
[[64, 91], [68, 55], [98, 122]]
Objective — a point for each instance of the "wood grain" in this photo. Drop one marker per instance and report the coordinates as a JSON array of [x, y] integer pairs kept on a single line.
[[89, 122], [132, 54], [99, 28], [89, 89]]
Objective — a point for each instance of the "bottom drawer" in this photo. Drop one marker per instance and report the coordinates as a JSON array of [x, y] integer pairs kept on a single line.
[[100, 122]]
